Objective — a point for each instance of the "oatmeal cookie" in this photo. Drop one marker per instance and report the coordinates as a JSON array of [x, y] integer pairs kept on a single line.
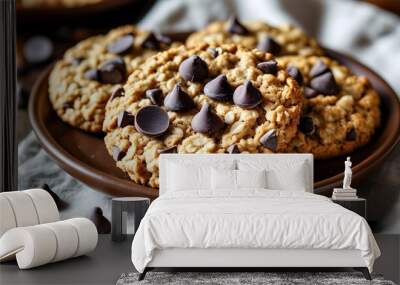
[[281, 40], [340, 109], [84, 79], [218, 100]]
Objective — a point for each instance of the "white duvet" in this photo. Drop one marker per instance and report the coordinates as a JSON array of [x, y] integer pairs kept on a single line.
[[254, 218]]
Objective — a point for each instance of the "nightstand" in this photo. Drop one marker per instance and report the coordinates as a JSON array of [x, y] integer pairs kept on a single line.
[[121, 208], [357, 205]]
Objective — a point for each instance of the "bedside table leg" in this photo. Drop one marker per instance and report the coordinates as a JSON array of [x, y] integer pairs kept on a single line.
[[364, 271]]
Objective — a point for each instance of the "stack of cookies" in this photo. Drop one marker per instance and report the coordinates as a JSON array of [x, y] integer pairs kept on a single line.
[[231, 88]]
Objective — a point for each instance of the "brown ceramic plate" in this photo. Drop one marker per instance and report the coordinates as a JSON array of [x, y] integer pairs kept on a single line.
[[84, 155]]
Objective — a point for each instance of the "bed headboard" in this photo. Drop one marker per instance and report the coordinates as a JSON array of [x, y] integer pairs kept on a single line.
[[266, 160]]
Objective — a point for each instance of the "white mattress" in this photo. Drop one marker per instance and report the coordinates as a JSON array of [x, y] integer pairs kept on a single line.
[[253, 218]]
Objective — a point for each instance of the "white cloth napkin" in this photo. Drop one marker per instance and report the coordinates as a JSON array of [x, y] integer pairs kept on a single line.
[[361, 30]]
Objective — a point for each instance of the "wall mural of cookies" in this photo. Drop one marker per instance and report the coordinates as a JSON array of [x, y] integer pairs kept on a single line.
[[231, 87]]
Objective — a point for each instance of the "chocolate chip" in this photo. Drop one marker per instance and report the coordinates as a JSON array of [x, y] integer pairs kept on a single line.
[[178, 100], [268, 44], [268, 67], [206, 121], [325, 84], [68, 105], [295, 73], [119, 92], [247, 96], [113, 71], [233, 149], [38, 49], [92, 74], [219, 89], [151, 42], [117, 153], [61, 204], [152, 121], [213, 51], [155, 96], [318, 68], [121, 45], [125, 119], [171, 149], [309, 92], [103, 225], [235, 27], [351, 135], [306, 125], [193, 69], [270, 140]]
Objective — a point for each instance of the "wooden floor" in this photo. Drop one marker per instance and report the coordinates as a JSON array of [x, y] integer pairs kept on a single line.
[[106, 264]]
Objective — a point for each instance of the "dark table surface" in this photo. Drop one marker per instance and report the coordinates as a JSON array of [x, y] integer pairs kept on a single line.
[[110, 259]]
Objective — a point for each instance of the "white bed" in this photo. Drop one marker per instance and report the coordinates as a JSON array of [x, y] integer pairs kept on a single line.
[[196, 222]]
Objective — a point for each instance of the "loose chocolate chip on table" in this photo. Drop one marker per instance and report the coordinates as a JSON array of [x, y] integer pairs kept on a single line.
[[206, 121], [351, 135], [61, 204], [325, 84], [213, 51], [219, 88], [270, 140], [121, 45], [117, 153], [103, 225], [119, 92], [233, 149], [171, 149], [295, 73], [268, 44], [113, 71], [125, 119], [155, 96], [193, 69], [235, 27], [309, 92], [318, 68], [306, 125], [268, 67], [38, 49], [151, 41], [152, 121], [92, 74], [247, 96], [178, 100]]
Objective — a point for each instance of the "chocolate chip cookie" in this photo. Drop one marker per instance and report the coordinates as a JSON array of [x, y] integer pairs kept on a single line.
[[84, 79], [225, 99], [340, 109], [282, 40]]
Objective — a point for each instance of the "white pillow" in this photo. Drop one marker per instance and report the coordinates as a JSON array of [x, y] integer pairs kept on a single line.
[[282, 175], [251, 178], [188, 176], [223, 179]]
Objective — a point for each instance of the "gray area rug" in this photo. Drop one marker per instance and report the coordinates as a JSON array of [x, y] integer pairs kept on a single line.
[[232, 278]]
